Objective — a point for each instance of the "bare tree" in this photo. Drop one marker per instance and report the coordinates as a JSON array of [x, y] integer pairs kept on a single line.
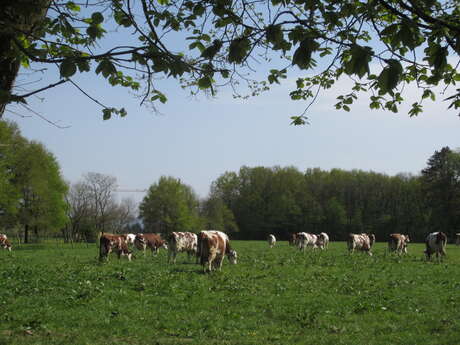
[[101, 188], [78, 210]]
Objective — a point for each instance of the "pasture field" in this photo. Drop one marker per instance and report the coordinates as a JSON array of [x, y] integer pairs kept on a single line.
[[58, 294]]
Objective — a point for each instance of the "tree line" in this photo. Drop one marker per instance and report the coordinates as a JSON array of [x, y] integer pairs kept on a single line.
[[257, 201], [35, 201]]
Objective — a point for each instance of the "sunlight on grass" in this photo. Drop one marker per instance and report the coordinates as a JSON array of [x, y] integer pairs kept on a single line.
[[58, 294]]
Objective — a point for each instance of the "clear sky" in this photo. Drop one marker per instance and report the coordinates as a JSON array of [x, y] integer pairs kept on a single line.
[[198, 139]]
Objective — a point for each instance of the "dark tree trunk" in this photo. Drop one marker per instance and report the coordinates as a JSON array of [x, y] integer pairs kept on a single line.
[[16, 17], [26, 233]]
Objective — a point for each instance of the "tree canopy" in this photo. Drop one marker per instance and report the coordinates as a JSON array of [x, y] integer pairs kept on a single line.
[[32, 189], [381, 45]]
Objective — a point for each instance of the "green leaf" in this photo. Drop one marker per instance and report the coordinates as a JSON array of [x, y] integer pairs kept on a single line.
[[107, 113], [67, 68], [390, 76], [106, 67], [205, 83], [303, 55], [238, 50], [358, 59], [97, 18]]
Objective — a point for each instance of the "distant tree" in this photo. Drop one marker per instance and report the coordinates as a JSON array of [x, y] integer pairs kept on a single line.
[[170, 206], [42, 208], [101, 190], [217, 215], [78, 211], [441, 183], [381, 45], [10, 142]]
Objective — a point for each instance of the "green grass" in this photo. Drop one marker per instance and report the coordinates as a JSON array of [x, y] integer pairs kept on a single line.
[[58, 294]]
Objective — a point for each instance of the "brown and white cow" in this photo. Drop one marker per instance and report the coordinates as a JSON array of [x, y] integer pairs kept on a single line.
[[435, 244], [363, 242], [322, 240], [4, 242], [398, 243], [149, 240], [212, 247], [113, 243], [304, 240], [271, 240], [179, 242]]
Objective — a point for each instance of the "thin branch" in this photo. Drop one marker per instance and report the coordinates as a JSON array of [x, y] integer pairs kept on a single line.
[[62, 81]]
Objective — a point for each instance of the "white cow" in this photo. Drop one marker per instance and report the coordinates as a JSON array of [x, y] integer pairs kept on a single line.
[[436, 244], [130, 238], [305, 240], [179, 242], [322, 241], [271, 240], [363, 242]]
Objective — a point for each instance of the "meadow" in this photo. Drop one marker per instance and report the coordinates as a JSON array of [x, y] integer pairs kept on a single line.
[[60, 294]]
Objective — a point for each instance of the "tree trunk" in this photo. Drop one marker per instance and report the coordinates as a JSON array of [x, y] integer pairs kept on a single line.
[[17, 17], [26, 233]]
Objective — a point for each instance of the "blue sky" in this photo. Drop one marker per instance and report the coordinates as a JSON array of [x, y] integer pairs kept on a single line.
[[197, 139]]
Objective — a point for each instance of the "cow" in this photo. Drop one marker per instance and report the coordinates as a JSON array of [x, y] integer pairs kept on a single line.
[[130, 238], [398, 243], [4, 242], [363, 242], [436, 244], [457, 241], [322, 241], [271, 240], [305, 240], [212, 247], [113, 243], [152, 241], [179, 242]]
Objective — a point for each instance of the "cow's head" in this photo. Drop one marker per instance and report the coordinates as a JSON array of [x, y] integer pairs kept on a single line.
[[232, 256]]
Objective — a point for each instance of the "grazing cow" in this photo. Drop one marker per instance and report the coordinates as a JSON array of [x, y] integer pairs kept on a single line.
[[398, 243], [322, 241], [212, 247], [4, 242], [152, 241], [179, 242], [271, 240], [436, 244], [130, 238], [305, 240], [363, 242], [115, 243]]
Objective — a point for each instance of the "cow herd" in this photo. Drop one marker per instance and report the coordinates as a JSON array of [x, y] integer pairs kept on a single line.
[[211, 246], [435, 242]]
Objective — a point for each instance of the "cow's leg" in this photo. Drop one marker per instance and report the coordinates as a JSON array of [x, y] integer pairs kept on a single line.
[[219, 261]]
